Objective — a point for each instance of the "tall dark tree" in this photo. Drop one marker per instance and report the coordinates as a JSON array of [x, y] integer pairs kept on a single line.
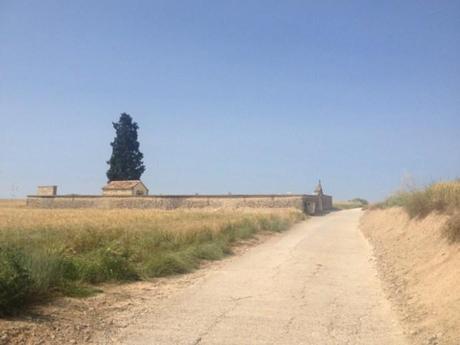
[[126, 160]]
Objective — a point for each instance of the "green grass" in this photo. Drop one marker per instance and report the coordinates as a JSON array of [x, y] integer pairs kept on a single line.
[[40, 260]]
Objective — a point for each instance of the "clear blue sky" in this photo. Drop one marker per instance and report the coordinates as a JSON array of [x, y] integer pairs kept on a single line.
[[231, 96]]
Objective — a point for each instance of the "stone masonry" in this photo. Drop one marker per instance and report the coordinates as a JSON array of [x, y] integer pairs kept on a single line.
[[304, 202]]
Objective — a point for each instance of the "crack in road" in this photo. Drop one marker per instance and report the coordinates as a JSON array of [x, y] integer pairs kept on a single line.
[[219, 318]]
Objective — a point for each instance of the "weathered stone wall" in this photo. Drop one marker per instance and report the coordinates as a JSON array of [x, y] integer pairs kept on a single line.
[[305, 203], [327, 202]]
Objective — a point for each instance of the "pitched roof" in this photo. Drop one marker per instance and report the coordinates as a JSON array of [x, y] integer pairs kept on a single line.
[[319, 188], [128, 184]]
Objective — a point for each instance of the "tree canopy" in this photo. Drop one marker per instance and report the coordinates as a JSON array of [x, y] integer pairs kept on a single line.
[[126, 160]]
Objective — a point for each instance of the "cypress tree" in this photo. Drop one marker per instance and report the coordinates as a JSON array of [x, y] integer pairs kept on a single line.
[[126, 160]]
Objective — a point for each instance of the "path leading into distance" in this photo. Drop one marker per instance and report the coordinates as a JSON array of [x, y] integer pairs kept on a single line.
[[314, 284]]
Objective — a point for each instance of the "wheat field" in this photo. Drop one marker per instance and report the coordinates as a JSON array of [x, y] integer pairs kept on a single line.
[[178, 221], [52, 252]]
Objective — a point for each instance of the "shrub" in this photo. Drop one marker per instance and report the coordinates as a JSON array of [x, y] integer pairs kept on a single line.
[[451, 229], [15, 281]]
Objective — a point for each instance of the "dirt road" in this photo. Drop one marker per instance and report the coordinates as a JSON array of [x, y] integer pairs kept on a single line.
[[315, 284]]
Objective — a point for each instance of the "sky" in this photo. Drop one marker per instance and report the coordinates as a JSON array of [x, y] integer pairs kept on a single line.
[[231, 96]]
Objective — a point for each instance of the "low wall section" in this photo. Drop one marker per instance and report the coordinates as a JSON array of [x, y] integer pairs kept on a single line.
[[327, 202], [306, 203]]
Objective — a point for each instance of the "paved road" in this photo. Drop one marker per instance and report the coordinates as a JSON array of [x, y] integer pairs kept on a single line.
[[314, 284]]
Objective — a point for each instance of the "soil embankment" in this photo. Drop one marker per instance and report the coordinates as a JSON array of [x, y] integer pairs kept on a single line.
[[421, 272]]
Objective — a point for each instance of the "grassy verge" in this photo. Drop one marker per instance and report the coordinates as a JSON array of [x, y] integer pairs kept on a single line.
[[47, 253], [443, 197]]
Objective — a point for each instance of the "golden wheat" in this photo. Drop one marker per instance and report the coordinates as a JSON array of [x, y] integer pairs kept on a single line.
[[129, 219]]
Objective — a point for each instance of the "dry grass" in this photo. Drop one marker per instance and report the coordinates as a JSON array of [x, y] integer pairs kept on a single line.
[[12, 203], [177, 221], [44, 252], [451, 229], [442, 197]]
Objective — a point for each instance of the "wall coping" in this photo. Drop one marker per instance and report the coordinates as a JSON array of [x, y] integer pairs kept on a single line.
[[229, 196]]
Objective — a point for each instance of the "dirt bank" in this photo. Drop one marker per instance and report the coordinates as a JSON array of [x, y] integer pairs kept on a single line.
[[420, 271]]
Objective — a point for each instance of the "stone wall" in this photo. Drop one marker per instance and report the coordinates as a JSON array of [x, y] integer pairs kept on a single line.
[[327, 202], [306, 203]]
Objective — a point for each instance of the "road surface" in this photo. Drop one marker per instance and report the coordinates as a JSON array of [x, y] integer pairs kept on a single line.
[[314, 284]]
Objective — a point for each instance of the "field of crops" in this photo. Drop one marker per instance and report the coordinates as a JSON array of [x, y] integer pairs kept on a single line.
[[46, 253]]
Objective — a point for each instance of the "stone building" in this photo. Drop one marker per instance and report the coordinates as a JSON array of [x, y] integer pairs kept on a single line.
[[47, 190], [125, 188], [134, 194], [319, 191]]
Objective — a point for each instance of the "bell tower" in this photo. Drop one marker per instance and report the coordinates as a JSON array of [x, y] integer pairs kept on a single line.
[[319, 193]]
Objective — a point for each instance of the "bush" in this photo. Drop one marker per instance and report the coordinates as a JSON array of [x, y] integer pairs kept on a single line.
[[15, 282], [419, 203], [451, 229]]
